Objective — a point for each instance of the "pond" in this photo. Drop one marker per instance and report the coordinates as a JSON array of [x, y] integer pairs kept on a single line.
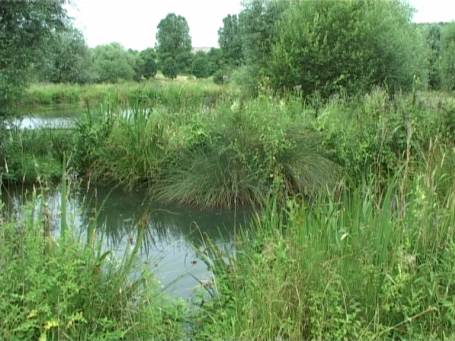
[[173, 233]]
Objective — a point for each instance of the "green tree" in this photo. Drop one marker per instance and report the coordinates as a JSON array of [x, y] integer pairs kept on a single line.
[[148, 65], [327, 46], [112, 63], [173, 44], [169, 68], [230, 40], [448, 56], [215, 60], [200, 66], [258, 29], [67, 59], [26, 27], [432, 34]]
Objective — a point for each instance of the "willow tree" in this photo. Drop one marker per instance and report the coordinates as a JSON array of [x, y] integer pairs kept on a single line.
[[352, 45]]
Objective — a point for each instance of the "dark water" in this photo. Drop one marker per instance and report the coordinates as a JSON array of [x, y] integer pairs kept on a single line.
[[173, 233]]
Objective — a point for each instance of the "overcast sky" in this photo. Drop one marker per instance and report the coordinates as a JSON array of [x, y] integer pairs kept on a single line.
[[133, 23]]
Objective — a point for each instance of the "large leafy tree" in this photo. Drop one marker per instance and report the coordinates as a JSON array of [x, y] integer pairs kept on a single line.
[[258, 29], [327, 46], [173, 45], [230, 40], [26, 27], [112, 63], [67, 59]]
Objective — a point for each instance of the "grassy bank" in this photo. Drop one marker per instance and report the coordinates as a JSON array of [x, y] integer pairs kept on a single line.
[[59, 288], [174, 95], [365, 265]]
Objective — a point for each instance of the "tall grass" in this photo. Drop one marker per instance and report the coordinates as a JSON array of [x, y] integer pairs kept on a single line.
[[364, 266], [33, 155], [175, 96]]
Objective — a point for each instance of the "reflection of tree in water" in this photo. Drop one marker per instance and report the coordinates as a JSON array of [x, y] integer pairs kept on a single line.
[[122, 213]]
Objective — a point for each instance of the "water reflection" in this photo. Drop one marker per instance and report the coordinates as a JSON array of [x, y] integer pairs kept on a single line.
[[173, 234]]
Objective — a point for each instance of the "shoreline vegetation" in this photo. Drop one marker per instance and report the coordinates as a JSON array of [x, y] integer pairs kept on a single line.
[[334, 121], [354, 233]]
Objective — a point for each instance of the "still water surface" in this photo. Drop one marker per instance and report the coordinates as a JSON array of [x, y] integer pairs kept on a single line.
[[173, 233]]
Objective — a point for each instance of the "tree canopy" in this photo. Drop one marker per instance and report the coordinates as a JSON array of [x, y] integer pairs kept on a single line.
[[173, 45], [230, 40], [112, 63], [26, 27], [327, 46]]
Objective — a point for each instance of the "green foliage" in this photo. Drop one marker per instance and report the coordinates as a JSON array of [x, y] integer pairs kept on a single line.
[[173, 45], [60, 289], [311, 50], [112, 63], [169, 68], [201, 65], [67, 59], [448, 57], [26, 28], [147, 65], [33, 155], [230, 40], [178, 96], [257, 23], [433, 40], [216, 61]]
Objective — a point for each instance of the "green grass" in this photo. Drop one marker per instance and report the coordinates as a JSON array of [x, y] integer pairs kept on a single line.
[[175, 95], [231, 153], [33, 155]]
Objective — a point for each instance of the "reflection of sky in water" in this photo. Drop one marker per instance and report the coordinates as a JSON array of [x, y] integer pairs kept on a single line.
[[172, 234], [40, 122]]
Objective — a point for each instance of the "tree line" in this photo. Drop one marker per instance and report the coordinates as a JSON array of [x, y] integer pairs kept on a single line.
[[314, 46]]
